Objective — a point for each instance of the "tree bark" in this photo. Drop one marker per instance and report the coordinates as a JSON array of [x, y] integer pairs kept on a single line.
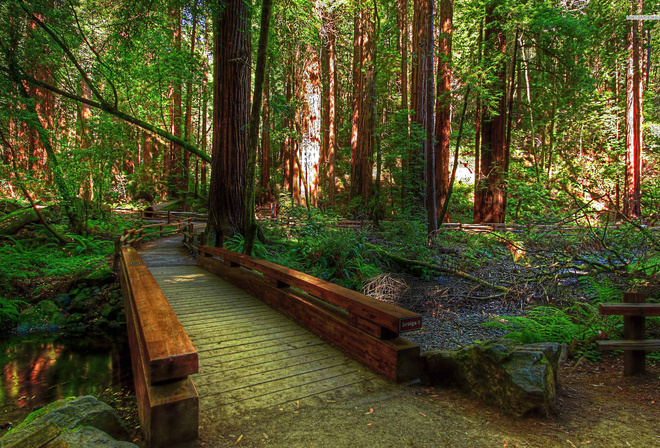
[[443, 106], [259, 75], [362, 135], [634, 116], [492, 177], [421, 103], [231, 100]]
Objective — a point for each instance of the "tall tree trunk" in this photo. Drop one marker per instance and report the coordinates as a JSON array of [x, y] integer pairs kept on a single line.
[[310, 121], [443, 106], [492, 178], [255, 114], [175, 176], [362, 136], [187, 131], [421, 99], [231, 100], [264, 182], [328, 69], [634, 116]]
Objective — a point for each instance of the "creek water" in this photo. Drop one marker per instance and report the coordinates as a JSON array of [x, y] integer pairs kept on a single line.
[[37, 369]]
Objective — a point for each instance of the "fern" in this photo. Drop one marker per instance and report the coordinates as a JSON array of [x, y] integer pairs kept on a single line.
[[545, 324]]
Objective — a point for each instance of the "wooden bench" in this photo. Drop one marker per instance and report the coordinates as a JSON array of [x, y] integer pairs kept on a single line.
[[162, 355], [634, 310], [365, 327]]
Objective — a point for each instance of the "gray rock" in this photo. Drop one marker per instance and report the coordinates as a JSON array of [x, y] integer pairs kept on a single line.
[[69, 414], [521, 379], [87, 437]]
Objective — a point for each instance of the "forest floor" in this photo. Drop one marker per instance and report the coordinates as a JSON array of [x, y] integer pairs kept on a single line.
[[596, 407]]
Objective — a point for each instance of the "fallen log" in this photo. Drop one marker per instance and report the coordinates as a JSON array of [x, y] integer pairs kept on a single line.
[[422, 264], [12, 223]]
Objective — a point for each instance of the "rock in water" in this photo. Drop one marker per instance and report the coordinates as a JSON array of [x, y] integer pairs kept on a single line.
[[521, 379], [84, 421]]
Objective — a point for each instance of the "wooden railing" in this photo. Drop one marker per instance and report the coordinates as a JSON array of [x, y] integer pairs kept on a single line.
[[132, 236], [634, 310], [365, 327], [162, 356]]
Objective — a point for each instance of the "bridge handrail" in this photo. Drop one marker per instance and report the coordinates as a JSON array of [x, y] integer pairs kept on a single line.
[[169, 353], [162, 356], [365, 312]]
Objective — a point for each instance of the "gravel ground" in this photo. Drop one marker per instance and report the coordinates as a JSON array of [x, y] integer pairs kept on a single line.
[[450, 331]]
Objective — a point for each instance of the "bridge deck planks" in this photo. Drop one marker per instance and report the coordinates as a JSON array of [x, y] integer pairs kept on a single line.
[[250, 355]]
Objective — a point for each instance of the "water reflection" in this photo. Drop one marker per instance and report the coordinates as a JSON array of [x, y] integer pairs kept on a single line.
[[39, 369]]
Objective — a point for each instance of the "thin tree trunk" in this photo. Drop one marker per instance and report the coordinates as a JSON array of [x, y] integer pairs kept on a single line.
[[443, 107], [259, 75]]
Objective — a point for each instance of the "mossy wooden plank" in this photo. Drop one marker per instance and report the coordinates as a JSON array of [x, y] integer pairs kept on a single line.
[[293, 395], [235, 370], [273, 371], [216, 359], [234, 391]]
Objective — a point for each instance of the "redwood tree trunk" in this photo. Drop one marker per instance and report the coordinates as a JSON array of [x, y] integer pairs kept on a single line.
[[490, 204], [443, 106], [231, 101], [634, 116], [362, 135], [421, 103]]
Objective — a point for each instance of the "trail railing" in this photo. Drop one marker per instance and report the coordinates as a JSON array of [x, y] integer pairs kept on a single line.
[[365, 327], [162, 355]]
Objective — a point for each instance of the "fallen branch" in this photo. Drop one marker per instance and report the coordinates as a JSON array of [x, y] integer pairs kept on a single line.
[[410, 263]]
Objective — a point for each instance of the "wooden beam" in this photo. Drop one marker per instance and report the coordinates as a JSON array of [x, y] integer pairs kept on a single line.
[[629, 309], [388, 316], [648, 345], [168, 348]]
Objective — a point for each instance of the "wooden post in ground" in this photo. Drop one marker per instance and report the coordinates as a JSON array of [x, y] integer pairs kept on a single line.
[[634, 328], [169, 217]]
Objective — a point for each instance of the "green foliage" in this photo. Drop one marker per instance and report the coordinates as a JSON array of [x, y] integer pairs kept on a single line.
[[235, 244], [579, 326]]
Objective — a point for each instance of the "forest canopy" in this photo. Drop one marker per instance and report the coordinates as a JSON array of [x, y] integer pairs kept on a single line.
[[484, 111]]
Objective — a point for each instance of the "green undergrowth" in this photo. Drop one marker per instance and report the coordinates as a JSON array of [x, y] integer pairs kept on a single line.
[[320, 249], [34, 262], [579, 326]]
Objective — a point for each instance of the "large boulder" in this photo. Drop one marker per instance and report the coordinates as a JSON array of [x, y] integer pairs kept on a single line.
[[81, 422], [521, 379]]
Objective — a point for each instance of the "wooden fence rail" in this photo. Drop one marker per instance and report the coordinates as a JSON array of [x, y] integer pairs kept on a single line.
[[363, 326], [162, 356]]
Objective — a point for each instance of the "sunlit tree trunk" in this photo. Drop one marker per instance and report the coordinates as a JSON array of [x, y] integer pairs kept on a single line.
[[362, 127], [310, 121], [490, 203], [176, 114], [634, 116], [329, 73], [443, 106], [231, 101]]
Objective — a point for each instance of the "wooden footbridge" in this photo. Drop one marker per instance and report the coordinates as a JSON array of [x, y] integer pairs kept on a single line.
[[227, 334]]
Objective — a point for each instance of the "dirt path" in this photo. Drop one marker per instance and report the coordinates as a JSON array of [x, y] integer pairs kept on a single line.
[[594, 409]]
